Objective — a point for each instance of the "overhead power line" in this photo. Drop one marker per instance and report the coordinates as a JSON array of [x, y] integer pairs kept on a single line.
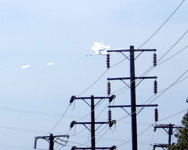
[[93, 83], [161, 26], [58, 120]]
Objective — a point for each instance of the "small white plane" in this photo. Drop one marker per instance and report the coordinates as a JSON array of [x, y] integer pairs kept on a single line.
[[99, 49], [25, 66], [50, 64]]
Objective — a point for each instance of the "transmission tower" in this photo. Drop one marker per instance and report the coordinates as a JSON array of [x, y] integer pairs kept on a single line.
[[132, 87], [92, 123], [51, 139], [169, 130]]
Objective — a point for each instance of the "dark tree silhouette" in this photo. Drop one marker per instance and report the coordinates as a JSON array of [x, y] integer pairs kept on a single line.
[[182, 136]]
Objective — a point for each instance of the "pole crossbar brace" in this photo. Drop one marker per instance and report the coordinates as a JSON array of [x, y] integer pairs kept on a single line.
[[128, 50], [117, 106], [51, 140], [160, 145], [92, 123], [128, 78], [102, 148], [132, 79], [170, 128]]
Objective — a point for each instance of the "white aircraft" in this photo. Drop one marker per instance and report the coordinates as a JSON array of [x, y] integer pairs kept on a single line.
[[99, 49], [25, 66], [50, 64]]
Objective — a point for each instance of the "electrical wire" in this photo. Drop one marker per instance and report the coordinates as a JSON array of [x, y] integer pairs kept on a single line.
[[173, 115], [123, 60], [151, 140], [93, 83], [96, 134], [29, 111], [163, 91], [89, 114], [173, 46], [137, 135], [20, 129], [161, 26], [152, 124], [58, 120], [173, 55], [17, 147], [153, 33], [174, 83], [152, 67], [170, 86], [102, 135]]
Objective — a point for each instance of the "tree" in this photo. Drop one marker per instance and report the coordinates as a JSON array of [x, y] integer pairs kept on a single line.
[[182, 136]]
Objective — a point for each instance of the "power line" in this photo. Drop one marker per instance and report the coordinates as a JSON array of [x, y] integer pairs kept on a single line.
[[138, 135], [93, 83], [163, 91], [59, 120], [21, 129], [173, 115], [173, 55], [151, 68], [153, 33], [173, 46], [170, 86], [174, 83], [161, 26]]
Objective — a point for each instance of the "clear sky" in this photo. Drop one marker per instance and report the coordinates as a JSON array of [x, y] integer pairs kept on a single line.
[[38, 32]]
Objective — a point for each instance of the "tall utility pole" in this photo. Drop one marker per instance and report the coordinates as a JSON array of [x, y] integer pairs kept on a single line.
[[92, 123], [51, 140], [170, 132], [132, 79], [133, 98]]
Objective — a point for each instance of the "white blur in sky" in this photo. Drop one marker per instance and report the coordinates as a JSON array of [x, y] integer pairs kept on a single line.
[[42, 33]]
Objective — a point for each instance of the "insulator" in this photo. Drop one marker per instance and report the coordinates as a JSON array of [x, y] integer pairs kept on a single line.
[[35, 144], [72, 124], [155, 86], [74, 148], [112, 98], [154, 59], [156, 115], [111, 123], [109, 115], [108, 88], [72, 98], [108, 61], [113, 147]]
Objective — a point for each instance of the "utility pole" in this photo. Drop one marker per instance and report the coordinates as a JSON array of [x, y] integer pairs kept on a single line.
[[170, 132], [51, 140], [132, 87], [92, 123]]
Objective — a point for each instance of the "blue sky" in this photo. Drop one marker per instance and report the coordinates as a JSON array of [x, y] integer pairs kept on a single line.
[[38, 32]]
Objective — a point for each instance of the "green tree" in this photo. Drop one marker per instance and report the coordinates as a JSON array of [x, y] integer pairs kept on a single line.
[[182, 136]]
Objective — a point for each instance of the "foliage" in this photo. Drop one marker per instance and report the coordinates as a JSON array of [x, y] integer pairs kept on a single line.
[[182, 136]]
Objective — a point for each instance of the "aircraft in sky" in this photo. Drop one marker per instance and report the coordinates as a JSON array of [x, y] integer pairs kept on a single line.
[[25, 66], [50, 64], [99, 49]]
